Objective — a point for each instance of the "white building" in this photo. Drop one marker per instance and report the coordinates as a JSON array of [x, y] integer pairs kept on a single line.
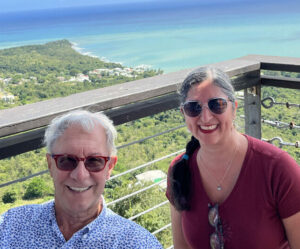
[[8, 98], [153, 176]]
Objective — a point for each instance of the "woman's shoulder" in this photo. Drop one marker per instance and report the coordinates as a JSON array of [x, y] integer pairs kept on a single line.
[[261, 152], [263, 148]]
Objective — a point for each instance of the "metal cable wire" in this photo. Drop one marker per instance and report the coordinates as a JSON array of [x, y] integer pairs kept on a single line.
[[148, 210], [273, 102], [145, 165], [135, 193], [161, 229], [281, 142], [280, 124], [171, 247], [146, 138], [23, 178]]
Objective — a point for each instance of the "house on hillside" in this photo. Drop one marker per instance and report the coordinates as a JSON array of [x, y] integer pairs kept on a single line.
[[8, 98]]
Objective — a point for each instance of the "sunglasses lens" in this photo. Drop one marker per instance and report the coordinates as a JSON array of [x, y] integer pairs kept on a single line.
[[95, 164], [213, 216], [67, 162], [192, 109], [218, 105], [215, 241]]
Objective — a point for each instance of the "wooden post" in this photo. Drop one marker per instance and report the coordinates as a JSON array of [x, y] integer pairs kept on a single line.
[[252, 110]]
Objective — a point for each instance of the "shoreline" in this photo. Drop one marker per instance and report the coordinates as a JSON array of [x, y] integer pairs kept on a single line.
[[80, 50]]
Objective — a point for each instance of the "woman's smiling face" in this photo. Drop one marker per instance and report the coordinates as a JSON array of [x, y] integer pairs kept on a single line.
[[209, 128]]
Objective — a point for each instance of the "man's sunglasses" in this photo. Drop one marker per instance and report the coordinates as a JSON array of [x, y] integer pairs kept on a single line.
[[194, 108], [70, 162]]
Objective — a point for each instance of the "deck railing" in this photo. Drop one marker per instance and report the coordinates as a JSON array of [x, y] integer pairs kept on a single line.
[[22, 128]]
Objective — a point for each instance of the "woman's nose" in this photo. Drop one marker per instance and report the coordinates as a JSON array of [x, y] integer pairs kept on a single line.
[[206, 114]]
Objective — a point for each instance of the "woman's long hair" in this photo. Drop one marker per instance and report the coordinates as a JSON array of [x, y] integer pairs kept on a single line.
[[180, 178]]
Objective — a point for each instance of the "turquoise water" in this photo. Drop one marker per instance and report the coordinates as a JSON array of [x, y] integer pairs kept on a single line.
[[166, 37]]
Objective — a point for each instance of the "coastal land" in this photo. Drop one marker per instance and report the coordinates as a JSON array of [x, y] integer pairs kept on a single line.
[[38, 72]]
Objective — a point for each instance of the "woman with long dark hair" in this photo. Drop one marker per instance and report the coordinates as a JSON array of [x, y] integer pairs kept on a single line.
[[229, 190]]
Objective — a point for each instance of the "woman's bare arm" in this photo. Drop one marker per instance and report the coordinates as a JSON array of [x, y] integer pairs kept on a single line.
[[178, 237]]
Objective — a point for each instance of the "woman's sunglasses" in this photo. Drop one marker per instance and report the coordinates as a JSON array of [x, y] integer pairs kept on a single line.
[[216, 238], [194, 108], [70, 162]]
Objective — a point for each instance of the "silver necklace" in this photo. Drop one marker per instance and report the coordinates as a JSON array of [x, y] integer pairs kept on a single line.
[[229, 164]]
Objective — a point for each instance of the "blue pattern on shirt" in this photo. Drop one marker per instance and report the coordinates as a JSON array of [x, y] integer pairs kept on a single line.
[[35, 226]]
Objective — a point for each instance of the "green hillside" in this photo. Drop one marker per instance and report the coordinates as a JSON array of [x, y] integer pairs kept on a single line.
[[38, 72]]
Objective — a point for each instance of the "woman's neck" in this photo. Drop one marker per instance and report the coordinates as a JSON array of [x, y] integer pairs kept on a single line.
[[214, 155]]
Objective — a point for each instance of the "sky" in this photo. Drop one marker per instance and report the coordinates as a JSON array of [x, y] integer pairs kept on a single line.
[[26, 5]]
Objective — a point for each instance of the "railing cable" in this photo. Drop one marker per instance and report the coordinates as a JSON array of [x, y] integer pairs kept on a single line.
[[161, 229], [148, 210], [171, 247], [145, 165], [280, 124], [281, 142], [272, 103], [135, 193], [23, 178], [149, 137]]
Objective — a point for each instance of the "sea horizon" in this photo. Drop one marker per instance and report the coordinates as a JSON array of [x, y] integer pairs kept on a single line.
[[164, 37]]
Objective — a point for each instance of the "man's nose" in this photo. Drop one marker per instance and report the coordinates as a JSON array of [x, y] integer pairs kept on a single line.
[[80, 172]]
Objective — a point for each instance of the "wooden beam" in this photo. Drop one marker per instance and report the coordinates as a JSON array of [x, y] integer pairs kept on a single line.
[[246, 80], [279, 81], [31, 140], [252, 109], [276, 63]]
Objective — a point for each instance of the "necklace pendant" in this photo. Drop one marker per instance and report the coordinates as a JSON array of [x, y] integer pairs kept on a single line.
[[219, 188]]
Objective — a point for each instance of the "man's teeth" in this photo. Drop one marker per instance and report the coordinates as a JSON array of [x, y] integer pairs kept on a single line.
[[79, 189], [210, 127]]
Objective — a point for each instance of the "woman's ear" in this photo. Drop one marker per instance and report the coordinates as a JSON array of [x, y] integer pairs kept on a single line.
[[236, 104], [235, 108]]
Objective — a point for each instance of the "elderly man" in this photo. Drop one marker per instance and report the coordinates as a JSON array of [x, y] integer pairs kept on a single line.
[[81, 156]]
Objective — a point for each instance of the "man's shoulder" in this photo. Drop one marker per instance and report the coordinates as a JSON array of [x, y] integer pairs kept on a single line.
[[26, 213]]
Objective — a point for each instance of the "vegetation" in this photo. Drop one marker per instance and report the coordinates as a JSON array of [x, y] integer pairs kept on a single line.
[[39, 72], [40, 189], [9, 197]]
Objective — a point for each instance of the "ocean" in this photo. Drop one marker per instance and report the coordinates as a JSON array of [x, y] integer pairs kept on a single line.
[[163, 36]]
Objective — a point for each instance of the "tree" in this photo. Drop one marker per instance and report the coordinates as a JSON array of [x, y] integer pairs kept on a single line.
[[35, 189], [9, 197]]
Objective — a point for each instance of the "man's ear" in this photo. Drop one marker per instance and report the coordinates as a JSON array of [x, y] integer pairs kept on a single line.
[[49, 162], [112, 162], [181, 110]]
